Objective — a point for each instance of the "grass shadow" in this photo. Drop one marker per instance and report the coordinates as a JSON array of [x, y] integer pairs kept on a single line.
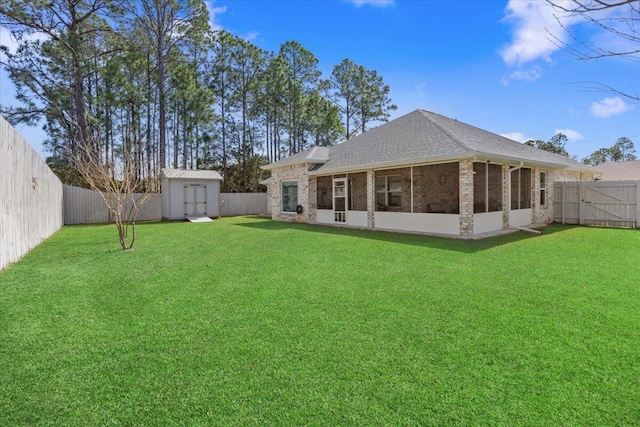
[[434, 242]]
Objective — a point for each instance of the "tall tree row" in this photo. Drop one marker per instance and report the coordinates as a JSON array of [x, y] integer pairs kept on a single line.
[[361, 95], [148, 85], [622, 151]]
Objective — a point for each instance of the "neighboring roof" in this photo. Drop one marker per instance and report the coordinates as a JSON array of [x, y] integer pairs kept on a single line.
[[191, 174], [619, 171], [422, 136]]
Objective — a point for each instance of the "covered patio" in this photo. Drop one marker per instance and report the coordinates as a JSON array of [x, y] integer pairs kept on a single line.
[[427, 198]]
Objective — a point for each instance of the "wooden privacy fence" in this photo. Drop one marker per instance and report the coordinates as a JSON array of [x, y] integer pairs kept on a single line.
[[235, 204], [601, 203], [83, 206]]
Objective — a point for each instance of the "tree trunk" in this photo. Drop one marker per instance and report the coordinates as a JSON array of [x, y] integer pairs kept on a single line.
[[162, 122]]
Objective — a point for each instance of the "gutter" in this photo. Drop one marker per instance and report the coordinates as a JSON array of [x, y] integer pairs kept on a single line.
[[480, 156]]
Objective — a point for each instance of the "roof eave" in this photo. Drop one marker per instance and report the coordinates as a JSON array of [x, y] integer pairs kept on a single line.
[[272, 166], [219, 176], [440, 159], [387, 165], [516, 160]]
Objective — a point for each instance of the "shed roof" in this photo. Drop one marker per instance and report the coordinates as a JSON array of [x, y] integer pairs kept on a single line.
[[619, 171], [423, 136], [209, 175]]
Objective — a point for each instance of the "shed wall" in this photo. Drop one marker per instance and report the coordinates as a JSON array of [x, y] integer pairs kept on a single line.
[[173, 197]]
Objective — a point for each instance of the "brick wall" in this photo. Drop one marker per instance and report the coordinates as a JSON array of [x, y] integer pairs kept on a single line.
[[292, 173], [371, 200], [466, 197], [505, 196], [312, 209], [324, 192], [436, 184], [358, 183]]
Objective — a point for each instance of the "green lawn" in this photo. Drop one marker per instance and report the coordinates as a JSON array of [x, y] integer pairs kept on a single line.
[[245, 321]]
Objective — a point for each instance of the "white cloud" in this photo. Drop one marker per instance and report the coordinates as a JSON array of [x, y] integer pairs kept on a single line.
[[376, 3], [609, 107], [251, 36], [540, 29], [572, 135], [7, 39], [213, 13], [516, 136], [537, 34], [532, 19], [530, 75], [526, 75]]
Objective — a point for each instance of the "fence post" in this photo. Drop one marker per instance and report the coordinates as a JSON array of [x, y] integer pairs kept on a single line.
[[563, 202], [581, 204], [637, 203]]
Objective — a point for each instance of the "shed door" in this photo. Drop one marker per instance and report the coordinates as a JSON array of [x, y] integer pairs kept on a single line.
[[195, 200]]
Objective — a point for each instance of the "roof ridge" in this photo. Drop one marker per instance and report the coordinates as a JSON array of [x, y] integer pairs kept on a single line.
[[449, 134], [311, 152]]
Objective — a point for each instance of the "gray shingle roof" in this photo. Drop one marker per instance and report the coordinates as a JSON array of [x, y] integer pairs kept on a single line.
[[423, 136], [191, 174], [619, 171]]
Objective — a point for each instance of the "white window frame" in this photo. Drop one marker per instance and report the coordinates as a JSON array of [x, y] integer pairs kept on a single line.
[[282, 184], [387, 191], [543, 189]]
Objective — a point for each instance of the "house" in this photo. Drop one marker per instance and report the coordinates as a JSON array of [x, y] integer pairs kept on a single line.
[[619, 171], [421, 173], [190, 193]]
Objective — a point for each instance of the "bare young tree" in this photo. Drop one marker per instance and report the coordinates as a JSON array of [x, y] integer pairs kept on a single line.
[[120, 185], [616, 18]]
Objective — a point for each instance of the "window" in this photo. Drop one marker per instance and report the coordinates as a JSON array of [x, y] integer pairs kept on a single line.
[[289, 196], [388, 192], [543, 189]]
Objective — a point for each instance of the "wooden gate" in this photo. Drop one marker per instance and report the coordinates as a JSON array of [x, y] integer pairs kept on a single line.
[[601, 203]]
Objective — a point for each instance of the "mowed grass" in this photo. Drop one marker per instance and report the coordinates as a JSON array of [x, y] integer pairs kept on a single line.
[[245, 321]]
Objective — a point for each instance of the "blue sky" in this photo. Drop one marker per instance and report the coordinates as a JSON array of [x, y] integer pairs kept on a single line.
[[487, 63]]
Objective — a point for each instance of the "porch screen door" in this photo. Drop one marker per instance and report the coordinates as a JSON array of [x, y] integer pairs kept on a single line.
[[339, 200]]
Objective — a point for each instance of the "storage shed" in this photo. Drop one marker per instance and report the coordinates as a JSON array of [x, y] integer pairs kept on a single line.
[[190, 193]]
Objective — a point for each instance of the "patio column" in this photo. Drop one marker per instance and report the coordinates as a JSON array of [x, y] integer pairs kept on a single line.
[[313, 199], [466, 197], [506, 202], [371, 198]]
